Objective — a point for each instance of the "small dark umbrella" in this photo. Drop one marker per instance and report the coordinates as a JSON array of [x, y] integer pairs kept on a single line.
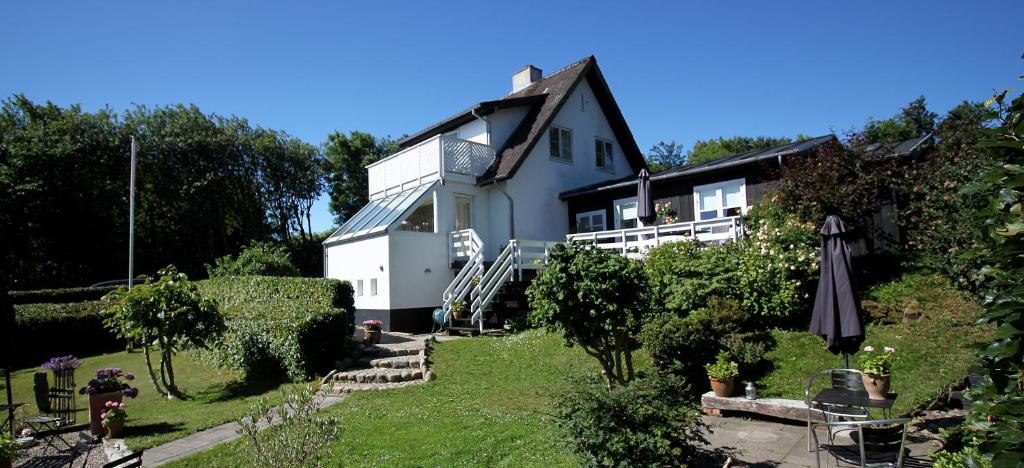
[[837, 317], [644, 202]]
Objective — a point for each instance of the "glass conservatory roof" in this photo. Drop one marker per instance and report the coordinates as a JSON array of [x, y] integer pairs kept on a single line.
[[378, 214]]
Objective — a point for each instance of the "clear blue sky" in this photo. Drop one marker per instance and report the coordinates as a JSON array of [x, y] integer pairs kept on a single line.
[[679, 70]]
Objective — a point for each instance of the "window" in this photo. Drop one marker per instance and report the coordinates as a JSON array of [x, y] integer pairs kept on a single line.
[[590, 221], [719, 200], [625, 213], [421, 219], [560, 140], [359, 288], [373, 286], [604, 153], [463, 212]]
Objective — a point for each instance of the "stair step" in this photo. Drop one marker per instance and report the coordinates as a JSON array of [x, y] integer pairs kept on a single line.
[[397, 362], [376, 375], [339, 388]]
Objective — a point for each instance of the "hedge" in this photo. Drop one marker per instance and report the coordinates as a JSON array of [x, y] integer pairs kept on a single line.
[[297, 327], [48, 330], [59, 296]]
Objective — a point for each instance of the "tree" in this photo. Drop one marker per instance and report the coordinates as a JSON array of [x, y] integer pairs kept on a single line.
[[169, 312], [913, 120], [347, 158], [664, 156], [301, 438], [597, 299], [709, 150], [260, 258], [292, 176]]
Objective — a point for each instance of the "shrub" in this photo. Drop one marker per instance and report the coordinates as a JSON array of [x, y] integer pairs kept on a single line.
[[683, 275], [681, 346], [259, 258], [646, 422], [298, 436], [169, 312], [292, 326], [59, 296], [596, 298], [65, 328]]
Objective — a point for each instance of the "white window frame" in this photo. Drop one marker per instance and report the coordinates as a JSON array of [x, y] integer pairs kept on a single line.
[[617, 211], [455, 210], [432, 199], [591, 214], [720, 187], [560, 157], [359, 288], [373, 286], [610, 160]]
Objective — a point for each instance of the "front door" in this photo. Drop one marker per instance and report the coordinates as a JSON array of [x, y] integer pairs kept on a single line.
[[463, 212]]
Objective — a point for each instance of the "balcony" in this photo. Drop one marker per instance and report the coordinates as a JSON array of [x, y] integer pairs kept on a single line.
[[441, 157], [637, 241]]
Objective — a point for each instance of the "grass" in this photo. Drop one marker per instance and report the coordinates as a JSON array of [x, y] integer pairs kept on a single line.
[[215, 396], [933, 352], [489, 406]]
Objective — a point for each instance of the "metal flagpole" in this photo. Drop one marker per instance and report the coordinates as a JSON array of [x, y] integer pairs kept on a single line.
[[131, 220]]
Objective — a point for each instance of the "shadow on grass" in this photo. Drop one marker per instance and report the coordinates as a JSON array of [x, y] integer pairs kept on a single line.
[[152, 429], [237, 389]]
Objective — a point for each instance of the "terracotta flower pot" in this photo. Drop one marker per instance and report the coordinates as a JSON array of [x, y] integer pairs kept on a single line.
[[114, 429], [722, 388], [877, 385], [96, 407], [371, 336]]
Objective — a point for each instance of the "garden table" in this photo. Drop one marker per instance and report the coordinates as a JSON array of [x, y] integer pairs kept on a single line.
[[842, 396]]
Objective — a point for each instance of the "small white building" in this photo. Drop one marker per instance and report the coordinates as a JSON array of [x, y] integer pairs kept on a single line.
[[477, 196]]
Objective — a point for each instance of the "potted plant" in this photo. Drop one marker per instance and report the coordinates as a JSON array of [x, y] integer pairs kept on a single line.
[[371, 331], [110, 384], [665, 213], [458, 309], [722, 374], [63, 369], [877, 369], [113, 418], [8, 450]]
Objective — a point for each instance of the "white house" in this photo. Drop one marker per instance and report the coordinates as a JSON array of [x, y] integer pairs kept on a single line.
[[477, 196]]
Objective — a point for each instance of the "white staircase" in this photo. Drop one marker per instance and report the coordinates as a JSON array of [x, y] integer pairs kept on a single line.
[[518, 255]]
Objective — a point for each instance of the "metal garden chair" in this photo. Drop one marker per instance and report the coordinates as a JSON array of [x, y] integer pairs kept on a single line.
[[57, 410], [846, 379], [877, 443]]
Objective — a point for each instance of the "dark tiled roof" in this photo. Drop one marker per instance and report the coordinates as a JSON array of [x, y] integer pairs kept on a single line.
[[750, 157], [898, 149], [545, 98]]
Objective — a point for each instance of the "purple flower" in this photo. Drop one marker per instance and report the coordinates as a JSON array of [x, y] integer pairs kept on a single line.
[[129, 376]]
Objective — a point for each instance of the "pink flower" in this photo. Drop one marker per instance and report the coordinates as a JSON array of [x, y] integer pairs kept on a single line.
[[109, 404], [103, 415], [869, 348]]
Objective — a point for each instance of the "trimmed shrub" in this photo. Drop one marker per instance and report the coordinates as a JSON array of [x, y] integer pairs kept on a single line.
[[260, 258], [59, 296], [296, 327], [683, 275], [47, 330], [646, 422]]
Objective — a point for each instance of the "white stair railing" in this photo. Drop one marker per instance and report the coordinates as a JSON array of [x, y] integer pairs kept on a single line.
[[463, 285], [517, 256]]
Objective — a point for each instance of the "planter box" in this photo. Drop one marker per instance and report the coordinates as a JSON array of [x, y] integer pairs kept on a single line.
[[96, 408]]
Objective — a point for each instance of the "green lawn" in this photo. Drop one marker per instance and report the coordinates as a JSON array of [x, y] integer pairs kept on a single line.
[[489, 406], [215, 396], [933, 352]]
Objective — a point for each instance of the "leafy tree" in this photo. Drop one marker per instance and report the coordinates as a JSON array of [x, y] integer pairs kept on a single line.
[[709, 150], [347, 158], [292, 176], [169, 312], [597, 299], [913, 120], [259, 259], [664, 156]]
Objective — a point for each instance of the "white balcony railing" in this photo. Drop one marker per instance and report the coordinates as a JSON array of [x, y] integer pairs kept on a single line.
[[437, 158], [645, 238]]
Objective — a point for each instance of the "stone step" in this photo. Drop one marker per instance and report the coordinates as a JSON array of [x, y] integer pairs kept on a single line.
[[375, 375], [397, 362], [340, 388]]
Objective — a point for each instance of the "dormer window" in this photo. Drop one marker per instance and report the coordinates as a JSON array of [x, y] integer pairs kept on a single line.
[[604, 154], [560, 140]]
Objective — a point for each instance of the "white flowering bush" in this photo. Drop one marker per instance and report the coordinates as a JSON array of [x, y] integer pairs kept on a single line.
[[779, 264]]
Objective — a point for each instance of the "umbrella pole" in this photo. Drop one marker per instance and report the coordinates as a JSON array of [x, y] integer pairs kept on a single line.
[[846, 360]]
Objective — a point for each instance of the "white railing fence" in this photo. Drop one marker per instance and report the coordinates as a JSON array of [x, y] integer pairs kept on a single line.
[[466, 157], [641, 239], [468, 242]]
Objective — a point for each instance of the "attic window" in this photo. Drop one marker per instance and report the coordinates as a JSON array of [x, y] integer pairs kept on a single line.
[[560, 140], [604, 154]]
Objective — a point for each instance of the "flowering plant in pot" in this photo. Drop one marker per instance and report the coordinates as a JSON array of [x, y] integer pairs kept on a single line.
[[63, 368], [113, 417], [665, 213], [371, 331], [722, 374], [9, 449], [458, 309], [110, 384], [877, 369]]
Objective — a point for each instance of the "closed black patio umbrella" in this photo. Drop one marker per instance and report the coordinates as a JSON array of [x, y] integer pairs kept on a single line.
[[837, 316], [644, 203]]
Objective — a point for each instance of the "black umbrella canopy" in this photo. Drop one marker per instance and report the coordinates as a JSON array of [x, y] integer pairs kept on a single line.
[[644, 202], [837, 315]]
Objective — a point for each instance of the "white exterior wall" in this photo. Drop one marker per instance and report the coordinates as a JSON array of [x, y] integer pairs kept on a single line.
[[473, 131], [503, 123], [364, 259], [539, 214], [419, 269]]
